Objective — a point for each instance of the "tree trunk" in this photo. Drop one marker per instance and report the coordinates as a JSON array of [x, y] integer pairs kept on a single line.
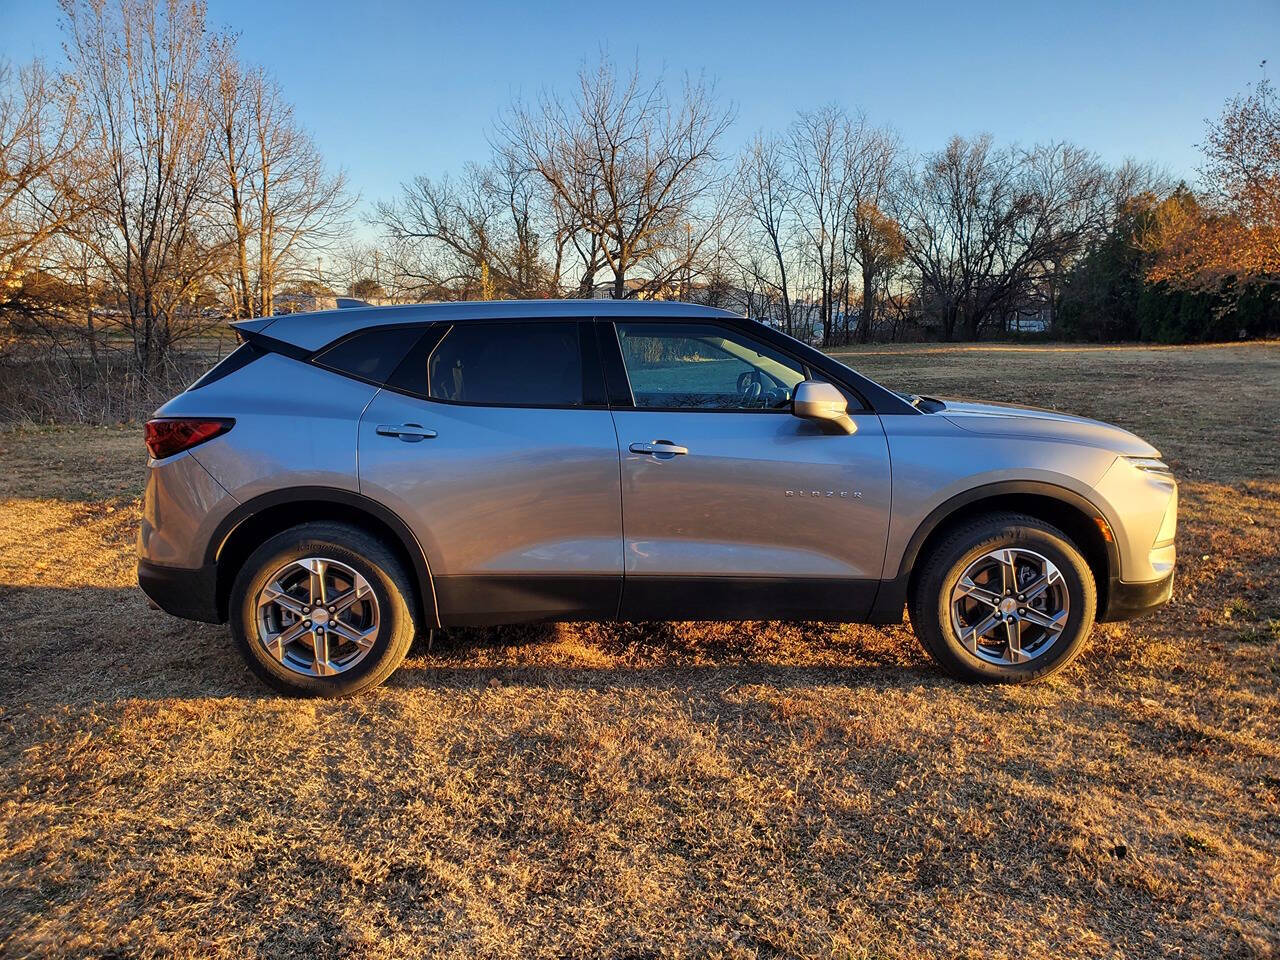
[[972, 320], [242, 256], [868, 306], [90, 333], [265, 280], [237, 218], [949, 320]]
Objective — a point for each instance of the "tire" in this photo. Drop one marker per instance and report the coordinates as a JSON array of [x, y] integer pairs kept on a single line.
[[356, 656], [941, 610]]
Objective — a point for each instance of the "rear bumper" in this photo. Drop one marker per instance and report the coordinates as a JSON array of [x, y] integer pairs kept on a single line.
[[1128, 600], [191, 594]]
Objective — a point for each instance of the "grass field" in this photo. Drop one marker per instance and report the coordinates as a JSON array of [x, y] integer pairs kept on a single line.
[[741, 790]]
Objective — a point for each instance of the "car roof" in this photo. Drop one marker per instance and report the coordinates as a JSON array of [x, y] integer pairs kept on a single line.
[[311, 331]]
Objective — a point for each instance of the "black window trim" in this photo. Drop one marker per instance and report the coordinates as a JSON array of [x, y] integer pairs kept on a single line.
[[280, 347], [433, 333], [629, 402], [878, 400], [245, 353]]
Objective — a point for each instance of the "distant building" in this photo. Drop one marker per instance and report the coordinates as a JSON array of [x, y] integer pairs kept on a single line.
[[1032, 320], [303, 302]]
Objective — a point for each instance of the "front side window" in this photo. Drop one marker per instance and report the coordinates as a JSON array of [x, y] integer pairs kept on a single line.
[[508, 364], [702, 366]]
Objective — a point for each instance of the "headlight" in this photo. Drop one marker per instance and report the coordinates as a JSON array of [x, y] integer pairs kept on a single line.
[[1151, 465]]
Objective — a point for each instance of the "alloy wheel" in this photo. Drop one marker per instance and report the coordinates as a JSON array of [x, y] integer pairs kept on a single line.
[[1009, 606], [317, 616]]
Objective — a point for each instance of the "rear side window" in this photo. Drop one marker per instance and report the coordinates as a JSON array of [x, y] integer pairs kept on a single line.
[[536, 364], [372, 354]]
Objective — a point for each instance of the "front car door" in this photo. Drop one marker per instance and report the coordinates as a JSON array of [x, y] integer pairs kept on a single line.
[[734, 508], [494, 444]]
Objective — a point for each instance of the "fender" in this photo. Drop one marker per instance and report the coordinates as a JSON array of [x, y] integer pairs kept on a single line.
[[343, 498], [892, 595]]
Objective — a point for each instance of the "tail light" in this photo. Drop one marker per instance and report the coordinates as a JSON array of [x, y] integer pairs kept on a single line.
[[169, 435]]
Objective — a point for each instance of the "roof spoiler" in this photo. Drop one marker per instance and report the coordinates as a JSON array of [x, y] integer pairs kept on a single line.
[[256, 325]]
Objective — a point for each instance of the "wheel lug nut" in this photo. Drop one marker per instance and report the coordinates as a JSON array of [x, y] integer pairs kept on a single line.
[[331, 609], [307, 624]]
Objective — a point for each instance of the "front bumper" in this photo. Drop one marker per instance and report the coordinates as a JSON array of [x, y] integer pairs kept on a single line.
[[191, 594], [1125, 601]]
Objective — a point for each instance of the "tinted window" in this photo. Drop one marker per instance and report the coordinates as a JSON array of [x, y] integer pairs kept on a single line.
[[525, 363], [704, 367], [237, 359], [371, 355]]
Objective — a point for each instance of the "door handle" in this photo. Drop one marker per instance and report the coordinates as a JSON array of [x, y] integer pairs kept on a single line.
[[408, 432], [663, 449]]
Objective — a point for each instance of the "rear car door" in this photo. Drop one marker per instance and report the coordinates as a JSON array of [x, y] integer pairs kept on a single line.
[[493, 442], [733, 507]]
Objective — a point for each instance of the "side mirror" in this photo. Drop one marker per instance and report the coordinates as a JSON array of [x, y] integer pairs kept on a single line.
[[824, 404]]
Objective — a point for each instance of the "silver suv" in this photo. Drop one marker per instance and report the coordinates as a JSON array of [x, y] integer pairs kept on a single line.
[[345, 480]]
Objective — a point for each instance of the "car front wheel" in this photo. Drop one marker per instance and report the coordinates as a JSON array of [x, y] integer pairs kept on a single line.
[[1005, 598], [322, 609]]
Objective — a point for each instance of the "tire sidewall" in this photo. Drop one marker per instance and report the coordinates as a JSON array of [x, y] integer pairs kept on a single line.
[[380, 570], [956, 556]]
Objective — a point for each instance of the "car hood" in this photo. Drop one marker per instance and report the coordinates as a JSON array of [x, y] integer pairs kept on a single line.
[[1007, 420]]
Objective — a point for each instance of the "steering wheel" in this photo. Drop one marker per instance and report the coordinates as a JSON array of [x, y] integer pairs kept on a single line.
[[750, 388]]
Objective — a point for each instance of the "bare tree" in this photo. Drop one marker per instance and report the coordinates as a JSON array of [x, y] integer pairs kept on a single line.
[[873, 238], [282, 206], [982, 224], [300, 205], [481, 234], [141, 68], [766, 195], [39, 194], [818, 148], [229, 107], [630, 169], [365, 271], [1072, 192]]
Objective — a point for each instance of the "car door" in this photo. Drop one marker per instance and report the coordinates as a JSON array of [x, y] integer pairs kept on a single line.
[[492, 441], [733, 507]]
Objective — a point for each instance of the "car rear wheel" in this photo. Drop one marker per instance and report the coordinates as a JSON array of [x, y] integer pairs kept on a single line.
[[1005, 598], [322, 609]]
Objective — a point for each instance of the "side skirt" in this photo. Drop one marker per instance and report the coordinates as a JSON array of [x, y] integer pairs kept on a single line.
[[476, 601], [481, 601], [746, 598]]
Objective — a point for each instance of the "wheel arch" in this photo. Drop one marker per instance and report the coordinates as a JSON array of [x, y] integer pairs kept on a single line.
[[1065, 509], [254, 521]]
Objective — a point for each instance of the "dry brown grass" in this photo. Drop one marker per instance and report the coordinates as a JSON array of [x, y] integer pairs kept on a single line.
[[744, 790]]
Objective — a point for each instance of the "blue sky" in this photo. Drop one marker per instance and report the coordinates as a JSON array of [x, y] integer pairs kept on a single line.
[[393, 89]]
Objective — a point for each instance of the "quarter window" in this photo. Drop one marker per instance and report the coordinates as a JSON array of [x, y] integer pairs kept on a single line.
[[700, 366], [513, 364], [372, 354]]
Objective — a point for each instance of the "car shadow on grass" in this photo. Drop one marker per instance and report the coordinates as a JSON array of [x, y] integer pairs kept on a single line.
[[73, 645], [633, 655]]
